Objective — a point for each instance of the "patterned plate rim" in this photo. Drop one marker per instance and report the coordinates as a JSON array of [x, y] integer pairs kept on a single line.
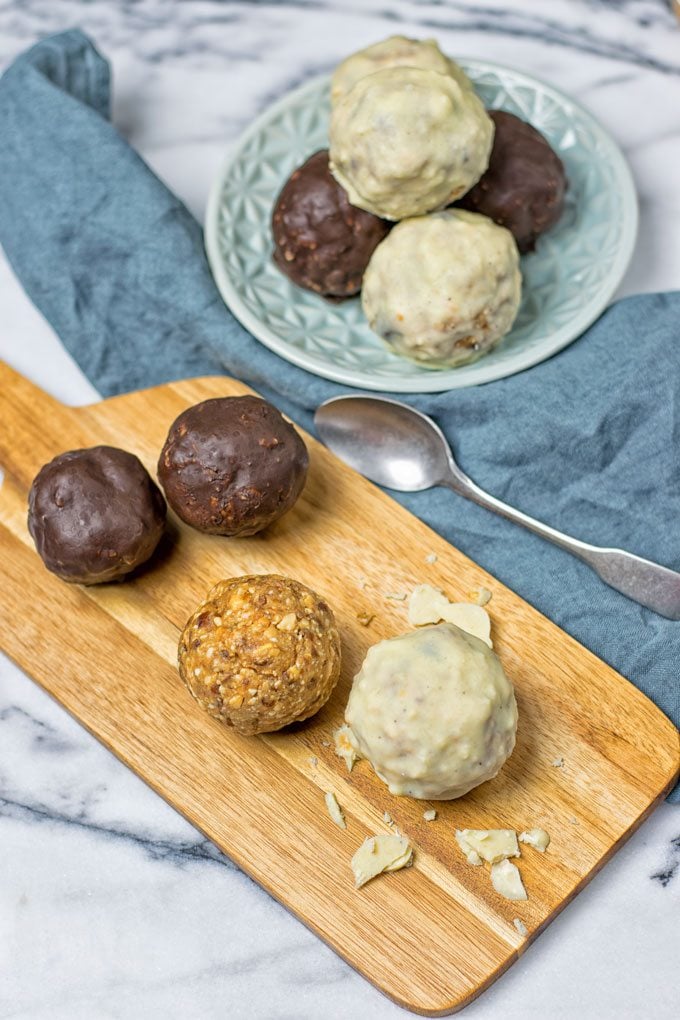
[[429, 381]]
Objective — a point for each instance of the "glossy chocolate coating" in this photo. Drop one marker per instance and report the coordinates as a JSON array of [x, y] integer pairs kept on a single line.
[[321, 241], [232, 465], [95, 514], [524, 186]]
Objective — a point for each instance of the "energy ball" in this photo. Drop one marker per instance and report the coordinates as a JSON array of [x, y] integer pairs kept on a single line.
[[443, 289], [95, 514], [433, 712], [321, 242], [397, 51], [261, 652], [232, 465], [524, 186], [405, 141]]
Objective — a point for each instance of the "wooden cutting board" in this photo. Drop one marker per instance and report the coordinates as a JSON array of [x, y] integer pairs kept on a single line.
[[431, 937]]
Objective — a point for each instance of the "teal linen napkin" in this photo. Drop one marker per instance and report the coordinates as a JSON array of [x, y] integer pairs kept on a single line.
[[587, 442]]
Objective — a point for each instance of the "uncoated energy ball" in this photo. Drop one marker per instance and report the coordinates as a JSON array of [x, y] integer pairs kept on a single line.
[[261, 652], [433, 712], [443, 289], [396, 51], [405, 141]]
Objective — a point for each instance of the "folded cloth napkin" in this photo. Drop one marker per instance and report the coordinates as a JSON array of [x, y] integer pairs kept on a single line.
[[585, 441]]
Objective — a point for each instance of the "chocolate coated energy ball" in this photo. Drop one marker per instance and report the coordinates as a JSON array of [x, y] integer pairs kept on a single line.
[[321, 242], [95, 514], [404, 142], [524, 186], [396, 51], [232, 465], [443, 289]]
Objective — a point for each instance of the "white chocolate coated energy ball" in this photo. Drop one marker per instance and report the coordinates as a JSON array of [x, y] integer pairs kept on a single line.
[[397, 51], [443, 289], [405, 141], [433, 712]]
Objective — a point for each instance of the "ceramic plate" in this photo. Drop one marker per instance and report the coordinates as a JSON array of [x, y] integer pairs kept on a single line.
[[568, 280]]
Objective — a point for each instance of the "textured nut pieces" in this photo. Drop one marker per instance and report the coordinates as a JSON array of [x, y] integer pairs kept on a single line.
[[248, 671]]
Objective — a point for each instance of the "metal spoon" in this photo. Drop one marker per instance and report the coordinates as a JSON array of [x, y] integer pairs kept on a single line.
[[400, 448]]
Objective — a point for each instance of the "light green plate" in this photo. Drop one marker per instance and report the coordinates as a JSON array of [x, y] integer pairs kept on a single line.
[[568, 280]]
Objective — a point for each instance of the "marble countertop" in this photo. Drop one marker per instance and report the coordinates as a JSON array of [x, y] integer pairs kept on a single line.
[[111, 905]]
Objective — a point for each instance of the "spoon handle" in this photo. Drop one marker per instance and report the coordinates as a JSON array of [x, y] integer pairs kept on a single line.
[[650, 584]]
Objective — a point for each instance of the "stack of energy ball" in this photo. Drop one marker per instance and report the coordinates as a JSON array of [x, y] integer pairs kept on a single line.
[[409, 137]]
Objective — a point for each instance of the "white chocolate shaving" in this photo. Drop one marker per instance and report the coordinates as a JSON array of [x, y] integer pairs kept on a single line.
[[507, 881], [344, 747], [538, 838], [430, 605], [380, 853], [334, 810], [430, 815], [492, 845]]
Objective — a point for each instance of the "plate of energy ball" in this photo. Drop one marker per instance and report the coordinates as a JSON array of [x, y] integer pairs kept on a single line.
[[412, 223]]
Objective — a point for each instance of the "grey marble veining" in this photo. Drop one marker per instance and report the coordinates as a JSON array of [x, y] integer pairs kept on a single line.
[[112, 905]]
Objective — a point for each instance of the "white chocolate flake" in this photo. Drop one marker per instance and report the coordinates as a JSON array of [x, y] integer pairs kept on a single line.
[[507, 881], [491, 845], [380, 853], [334, 810], [538, 838], [344, 748], [429, 605]]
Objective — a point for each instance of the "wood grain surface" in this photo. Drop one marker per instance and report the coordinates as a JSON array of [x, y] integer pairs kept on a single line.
[[431, 937]]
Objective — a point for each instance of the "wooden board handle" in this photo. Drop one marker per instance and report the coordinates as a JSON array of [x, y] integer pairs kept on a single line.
[[29, 421]]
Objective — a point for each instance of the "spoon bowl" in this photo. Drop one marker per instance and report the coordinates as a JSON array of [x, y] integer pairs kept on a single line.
[[385, 440]]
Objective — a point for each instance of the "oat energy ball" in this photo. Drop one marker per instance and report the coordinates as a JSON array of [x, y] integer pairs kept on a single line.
[[433, 712], [397, 51], [404, 142], [524, 186], [95, 514], [261, 652], [232, 465], [443, 289], [321, 241]]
